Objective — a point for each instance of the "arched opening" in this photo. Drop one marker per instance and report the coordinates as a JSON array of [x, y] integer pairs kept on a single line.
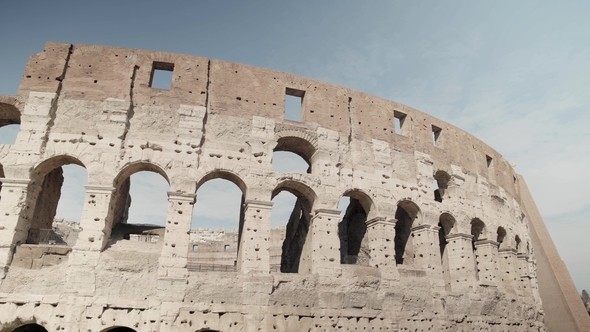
[[292, 154], [446, 222], [30, 328], [59, 202], [119, 329], [500, 237], [217, 223], [8, 133], [478, 231], [440, 184], [354, 245], [292, 208], [140, 204], [517, 243], [405, 215]]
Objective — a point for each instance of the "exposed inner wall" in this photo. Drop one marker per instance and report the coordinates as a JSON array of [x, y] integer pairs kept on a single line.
[[400, 259]]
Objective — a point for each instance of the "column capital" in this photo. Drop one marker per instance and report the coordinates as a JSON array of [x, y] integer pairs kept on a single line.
[[6, 182], [97, 189], [420, 227], [459, 235], [181, 196], [486, 241], [381, 220], [507, 250], [328, 212], [259, 204]]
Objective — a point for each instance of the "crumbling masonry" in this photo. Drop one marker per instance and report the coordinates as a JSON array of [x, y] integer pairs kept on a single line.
[[441, 233]]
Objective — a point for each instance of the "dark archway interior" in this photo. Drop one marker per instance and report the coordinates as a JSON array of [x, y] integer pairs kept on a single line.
[[403, 230], [352, 230], [296, 234], [30, 328], [121, 329]]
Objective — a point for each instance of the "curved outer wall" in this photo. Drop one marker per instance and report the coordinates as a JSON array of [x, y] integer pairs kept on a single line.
[[93, 106]]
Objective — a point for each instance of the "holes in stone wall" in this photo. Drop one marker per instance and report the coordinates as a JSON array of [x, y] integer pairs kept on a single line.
[[161, 75], [293, 104]]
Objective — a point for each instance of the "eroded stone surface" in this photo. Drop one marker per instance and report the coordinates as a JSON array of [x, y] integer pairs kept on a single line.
[[460, 259]]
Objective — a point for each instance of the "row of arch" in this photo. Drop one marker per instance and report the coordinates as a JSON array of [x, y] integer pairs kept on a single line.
[[39, 328], [352, 228]]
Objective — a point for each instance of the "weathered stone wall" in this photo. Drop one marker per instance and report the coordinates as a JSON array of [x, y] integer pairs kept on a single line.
[[431, 264]]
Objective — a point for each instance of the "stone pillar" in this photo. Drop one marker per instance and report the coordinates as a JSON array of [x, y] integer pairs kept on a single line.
[[95, 224], [461, 261], [486, 257], [173, 260], [506, 263], [96, 219], [523, 275], [426, 248], [254, 250], [17, 206], [321, 252], [380, 233]]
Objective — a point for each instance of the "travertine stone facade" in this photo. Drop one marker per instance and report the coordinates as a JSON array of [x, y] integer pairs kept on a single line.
[[449, 261]]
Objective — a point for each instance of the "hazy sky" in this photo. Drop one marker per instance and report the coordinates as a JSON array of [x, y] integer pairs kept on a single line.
[[515, 74]]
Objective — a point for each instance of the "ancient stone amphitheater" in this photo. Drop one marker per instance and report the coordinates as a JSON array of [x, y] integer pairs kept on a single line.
[[441, 234]]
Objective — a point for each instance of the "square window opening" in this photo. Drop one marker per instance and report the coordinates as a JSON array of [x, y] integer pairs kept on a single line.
[[399, 119], [435, 134], [195, 247], [489, 161], [226, 247], [161, 76], [293, 104]]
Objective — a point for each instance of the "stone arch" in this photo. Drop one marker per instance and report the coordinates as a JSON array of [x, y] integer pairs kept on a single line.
[[226, 175], [225, 252], [517, 244], [299, 143], [448, 225], [295, 245], [138, 166], [442, 180], [118, 329], [121, 200], [45, 191], [352, 229], [478, 231], [10, 110], [31, 327], [408, 215], [44, 167], [501, 238]]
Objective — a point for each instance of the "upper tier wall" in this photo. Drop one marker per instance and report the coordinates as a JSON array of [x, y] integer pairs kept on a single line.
[[97, 73]]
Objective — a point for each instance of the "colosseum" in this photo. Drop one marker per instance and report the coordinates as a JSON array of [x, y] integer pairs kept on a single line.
[[441, 233]]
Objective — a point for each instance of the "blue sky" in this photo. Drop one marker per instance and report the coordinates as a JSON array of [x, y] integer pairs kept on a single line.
[[515, 74]]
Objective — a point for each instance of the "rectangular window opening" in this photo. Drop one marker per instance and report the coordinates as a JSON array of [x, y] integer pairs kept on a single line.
[[435, 134], [196, 247], [161, 77], [399, 119], [226, 247], [489, 160], [293, 104]]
